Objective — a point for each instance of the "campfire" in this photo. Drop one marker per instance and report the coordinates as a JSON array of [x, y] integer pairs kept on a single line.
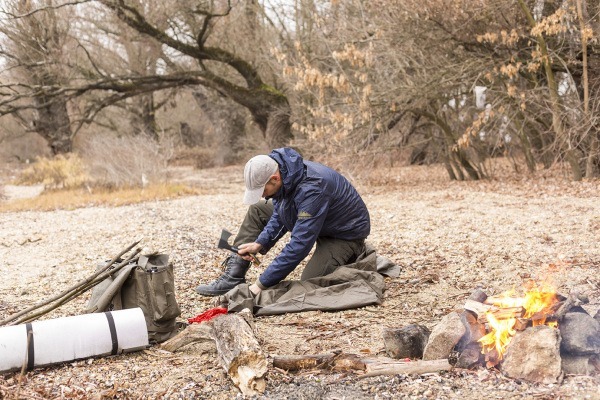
[[537, 335], [508, 313]]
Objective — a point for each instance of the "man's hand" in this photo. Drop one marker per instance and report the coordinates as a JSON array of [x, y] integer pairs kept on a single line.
[[255, 289], [247, 249]]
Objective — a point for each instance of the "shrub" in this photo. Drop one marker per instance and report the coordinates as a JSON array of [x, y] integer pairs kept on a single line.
[[62, 171], [126, 161]]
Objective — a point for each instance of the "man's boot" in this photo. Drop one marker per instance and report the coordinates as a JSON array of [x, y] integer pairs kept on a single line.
[[234, 274]]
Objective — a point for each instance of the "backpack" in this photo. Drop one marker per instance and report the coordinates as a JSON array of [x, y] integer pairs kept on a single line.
[[147, 283]]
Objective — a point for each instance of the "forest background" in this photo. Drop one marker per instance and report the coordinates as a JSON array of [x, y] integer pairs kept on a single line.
[[115, 91]]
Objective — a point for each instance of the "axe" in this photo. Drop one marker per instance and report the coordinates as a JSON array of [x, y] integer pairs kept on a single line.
[[224, 244]]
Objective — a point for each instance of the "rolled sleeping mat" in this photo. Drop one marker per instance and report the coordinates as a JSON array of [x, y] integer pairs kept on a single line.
[[72, 338]]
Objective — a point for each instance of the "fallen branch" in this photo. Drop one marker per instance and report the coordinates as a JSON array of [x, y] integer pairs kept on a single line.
[[412, 367], [191, 334], [370, 365], [330, 361], [575, 299]]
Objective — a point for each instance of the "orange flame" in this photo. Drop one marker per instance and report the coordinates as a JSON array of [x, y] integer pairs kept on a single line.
[[501, 331], [536, 302]]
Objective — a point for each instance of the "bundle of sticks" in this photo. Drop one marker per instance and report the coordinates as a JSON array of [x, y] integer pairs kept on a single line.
[[33, 312]]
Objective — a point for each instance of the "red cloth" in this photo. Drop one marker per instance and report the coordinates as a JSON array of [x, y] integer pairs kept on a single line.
[[206, 315]]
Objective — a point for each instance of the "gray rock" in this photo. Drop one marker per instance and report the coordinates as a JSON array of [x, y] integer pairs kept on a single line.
[[473, 330], [579, 365], [470, 356], [580, 334], [444, 336], [406, 342], [534, 355]]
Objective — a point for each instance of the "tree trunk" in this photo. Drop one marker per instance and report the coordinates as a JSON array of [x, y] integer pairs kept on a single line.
[[144, 120], [227, 124], [555, 100], [53, 124], [593, 157]]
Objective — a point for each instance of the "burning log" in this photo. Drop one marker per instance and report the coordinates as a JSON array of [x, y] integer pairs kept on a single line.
[[522, 323], [238, 350], [482, 310], [502, 313]]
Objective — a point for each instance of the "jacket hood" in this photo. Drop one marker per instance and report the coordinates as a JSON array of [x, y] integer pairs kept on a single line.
[[291, 167]]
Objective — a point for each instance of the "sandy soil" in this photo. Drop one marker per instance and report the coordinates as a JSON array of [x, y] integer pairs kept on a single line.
[[448, 237]]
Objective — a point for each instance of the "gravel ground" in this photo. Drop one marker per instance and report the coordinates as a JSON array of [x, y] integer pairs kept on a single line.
[[448, 237]]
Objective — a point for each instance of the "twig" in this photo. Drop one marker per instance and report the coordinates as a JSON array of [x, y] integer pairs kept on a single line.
[[325, 335]]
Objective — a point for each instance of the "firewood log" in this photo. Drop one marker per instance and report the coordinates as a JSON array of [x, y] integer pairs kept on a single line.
[[503, 313], [499, 312], [237, 348]]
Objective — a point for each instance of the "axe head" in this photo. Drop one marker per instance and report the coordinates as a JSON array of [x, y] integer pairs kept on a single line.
[[224, 241]]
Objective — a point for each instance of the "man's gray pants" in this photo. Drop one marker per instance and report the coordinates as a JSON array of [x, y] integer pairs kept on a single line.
[[330, 253]]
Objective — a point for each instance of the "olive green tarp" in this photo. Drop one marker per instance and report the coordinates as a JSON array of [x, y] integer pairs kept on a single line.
[[350, 286]]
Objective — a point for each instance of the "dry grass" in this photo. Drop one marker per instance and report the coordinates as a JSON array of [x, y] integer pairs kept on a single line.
[[59, 172], [70, 199]]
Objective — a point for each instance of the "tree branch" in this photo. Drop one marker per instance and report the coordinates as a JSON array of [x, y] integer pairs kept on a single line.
[[132, 17]]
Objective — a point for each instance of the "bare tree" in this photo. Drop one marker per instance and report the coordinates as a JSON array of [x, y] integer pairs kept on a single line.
[[190, 57], [380, 75], [34, 43]]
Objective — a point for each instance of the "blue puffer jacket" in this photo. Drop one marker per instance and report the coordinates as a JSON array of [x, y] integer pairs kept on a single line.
[[314, 201]]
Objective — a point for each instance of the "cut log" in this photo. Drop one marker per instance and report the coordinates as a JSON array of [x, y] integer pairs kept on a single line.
[[240, 353], [482, 309], [521, 324], [238, 350], [370, 365], [494, 300]]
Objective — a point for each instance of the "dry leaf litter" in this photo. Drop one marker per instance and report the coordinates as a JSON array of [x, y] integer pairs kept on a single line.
[[448, 237]]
